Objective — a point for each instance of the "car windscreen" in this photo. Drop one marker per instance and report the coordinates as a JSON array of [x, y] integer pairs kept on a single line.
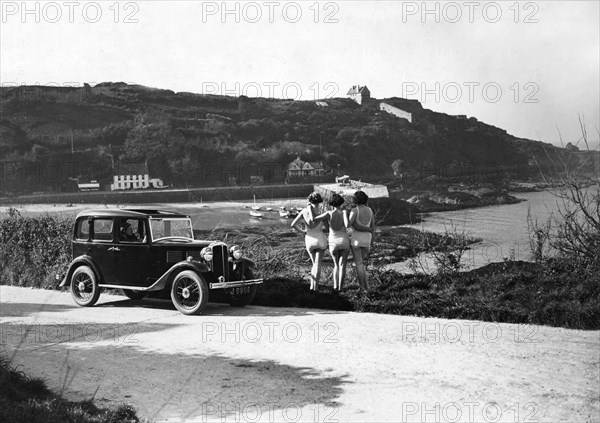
[[163, 228]]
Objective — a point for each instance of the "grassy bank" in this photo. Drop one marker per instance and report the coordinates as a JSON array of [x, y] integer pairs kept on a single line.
[[34, 250], [511, 292], [27, 400]]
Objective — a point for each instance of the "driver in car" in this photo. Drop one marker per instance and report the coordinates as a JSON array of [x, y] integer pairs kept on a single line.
[[127, 233]]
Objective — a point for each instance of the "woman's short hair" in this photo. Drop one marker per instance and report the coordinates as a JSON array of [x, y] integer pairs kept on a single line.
[[360, 197], [336, 200], [315, 198]]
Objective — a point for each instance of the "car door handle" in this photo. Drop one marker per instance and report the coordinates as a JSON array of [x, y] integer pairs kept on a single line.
[[115, 249]]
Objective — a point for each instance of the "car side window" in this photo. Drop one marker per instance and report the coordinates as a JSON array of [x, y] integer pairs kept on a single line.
[[103, 229], [83, 229], [131, 230]]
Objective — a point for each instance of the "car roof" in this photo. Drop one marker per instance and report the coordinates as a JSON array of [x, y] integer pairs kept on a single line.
[[133, 213]]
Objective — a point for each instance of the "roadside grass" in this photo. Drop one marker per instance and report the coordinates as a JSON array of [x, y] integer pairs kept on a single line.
[[29, 400], [551, 292]]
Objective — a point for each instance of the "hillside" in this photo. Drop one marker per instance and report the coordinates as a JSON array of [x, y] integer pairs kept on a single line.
[[51, 134]]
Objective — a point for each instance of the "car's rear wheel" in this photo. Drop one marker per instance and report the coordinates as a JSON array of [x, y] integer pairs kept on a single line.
[[242, 296], [134, 295], [189, 292], [84, 286]]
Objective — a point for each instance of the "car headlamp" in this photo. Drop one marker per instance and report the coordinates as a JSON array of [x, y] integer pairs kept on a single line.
[[206, 254], [236, 252]]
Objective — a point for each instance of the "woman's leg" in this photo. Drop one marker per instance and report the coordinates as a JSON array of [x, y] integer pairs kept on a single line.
[[365, 253], [317, 266], [335, 254], [343, 260], [360, 268], [312, 254]]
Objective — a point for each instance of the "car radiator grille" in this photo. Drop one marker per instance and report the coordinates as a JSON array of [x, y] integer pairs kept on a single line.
[[221, 261]]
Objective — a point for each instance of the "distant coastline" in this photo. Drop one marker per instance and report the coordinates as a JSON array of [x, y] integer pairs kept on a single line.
[[182, 195]]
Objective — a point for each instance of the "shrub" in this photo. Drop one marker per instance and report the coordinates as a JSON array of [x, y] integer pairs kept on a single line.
[[33, 250]]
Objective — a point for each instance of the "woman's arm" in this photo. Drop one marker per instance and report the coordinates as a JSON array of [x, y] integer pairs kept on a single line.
[[351, 218], [295, 223], [323, 216], [309, 215]]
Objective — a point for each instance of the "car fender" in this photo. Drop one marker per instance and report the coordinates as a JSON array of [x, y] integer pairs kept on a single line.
[[167, 277], [79, 261], [240, 265]]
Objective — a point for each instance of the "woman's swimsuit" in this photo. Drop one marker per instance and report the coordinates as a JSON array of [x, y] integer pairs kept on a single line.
[[338, 236], [315, 237], [359, 238]]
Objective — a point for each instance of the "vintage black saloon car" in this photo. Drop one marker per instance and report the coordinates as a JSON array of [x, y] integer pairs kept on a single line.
[[144, 251]]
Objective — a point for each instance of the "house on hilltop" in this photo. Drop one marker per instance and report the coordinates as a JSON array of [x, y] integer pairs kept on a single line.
[[134, 176], [359, 94]]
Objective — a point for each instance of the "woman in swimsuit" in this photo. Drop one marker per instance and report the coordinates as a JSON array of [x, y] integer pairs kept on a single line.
[[315, 240], [339, 243], [362, 222]]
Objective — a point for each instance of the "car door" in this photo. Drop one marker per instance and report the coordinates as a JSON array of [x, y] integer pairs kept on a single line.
[[132, 259], [103, 248]]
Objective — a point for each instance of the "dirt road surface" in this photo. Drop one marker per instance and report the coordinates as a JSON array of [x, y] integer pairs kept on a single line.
[[260, 364]]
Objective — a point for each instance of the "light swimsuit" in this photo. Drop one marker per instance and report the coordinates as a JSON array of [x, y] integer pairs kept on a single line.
[[360, 238], [315, 238], [338, 237]]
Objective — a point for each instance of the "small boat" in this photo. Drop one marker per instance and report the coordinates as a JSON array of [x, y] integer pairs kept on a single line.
[[284, 212], [256, 214], [269, 209], [255, 207]]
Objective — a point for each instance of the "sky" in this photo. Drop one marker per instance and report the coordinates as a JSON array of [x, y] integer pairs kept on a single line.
[[530, 67]]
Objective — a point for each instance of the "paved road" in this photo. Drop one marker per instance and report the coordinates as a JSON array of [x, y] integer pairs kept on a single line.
[[273, 365]]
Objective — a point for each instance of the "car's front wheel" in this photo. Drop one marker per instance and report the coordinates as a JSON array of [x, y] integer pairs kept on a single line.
[[84, 286], [134, 295], [189, 292], [242, 296]]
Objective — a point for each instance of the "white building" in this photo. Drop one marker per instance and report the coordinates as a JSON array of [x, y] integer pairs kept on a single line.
[[359, 94], [300, 168], [134, 176], [88, 185], [396, 111]]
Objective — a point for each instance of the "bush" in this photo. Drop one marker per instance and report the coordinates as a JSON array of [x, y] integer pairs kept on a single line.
[[33, 250]]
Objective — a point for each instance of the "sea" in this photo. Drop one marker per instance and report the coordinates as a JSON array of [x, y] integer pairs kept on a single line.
[[502, 230]]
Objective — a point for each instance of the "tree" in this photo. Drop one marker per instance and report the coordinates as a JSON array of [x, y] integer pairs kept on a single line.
[[574, 232]]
